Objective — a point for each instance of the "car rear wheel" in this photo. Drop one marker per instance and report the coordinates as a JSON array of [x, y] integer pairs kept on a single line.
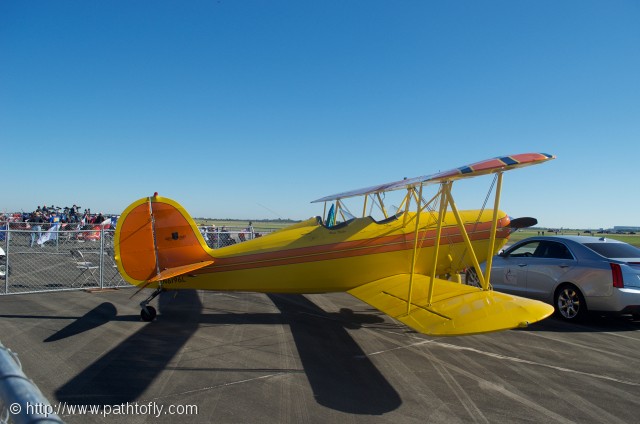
[[569, 303]]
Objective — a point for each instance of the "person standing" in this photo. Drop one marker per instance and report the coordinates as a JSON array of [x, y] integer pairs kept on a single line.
[[36, 226], [99, 219], [251, 231]]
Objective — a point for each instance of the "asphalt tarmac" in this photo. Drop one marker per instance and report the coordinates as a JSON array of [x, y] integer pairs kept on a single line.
[[254, 358]]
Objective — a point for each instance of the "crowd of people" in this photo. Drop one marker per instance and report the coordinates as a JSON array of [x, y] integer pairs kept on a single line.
[[53, 214], [72, 218], [45, 217], [67, 214], [221, 236]]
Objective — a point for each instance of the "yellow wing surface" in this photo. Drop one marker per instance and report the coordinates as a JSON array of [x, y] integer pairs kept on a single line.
[[455, 309]]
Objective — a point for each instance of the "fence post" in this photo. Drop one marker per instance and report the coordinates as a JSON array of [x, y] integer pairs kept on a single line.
[[6, 261], [102, 257]]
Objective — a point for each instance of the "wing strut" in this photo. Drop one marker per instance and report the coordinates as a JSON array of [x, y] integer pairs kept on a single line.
[[492, 236], [464, 234], [415, 248], [364, 207], [384, 211], [446, 199], [436, 250], [406, 203]]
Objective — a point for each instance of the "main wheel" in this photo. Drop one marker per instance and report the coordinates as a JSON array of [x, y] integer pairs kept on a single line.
[[148, 314], [569, 303]]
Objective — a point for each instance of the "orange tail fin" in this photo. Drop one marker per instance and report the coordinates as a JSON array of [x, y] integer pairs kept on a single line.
[[156, 239]]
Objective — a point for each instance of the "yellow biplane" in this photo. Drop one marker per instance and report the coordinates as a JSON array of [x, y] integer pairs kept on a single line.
[[406, 264]]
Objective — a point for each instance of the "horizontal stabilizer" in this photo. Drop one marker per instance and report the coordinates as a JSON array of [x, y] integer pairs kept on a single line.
[[456, 309], [179, 270]]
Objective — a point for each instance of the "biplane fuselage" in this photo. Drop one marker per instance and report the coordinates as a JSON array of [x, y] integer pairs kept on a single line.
[[308, 257]]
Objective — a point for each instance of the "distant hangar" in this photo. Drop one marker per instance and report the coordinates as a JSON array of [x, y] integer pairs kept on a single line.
[[625, 229]]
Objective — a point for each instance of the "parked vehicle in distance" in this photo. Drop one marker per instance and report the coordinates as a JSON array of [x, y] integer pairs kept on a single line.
[[4, 270], [575, 274]]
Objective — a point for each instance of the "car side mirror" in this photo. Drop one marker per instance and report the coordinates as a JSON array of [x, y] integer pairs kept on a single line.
[[502, 253]]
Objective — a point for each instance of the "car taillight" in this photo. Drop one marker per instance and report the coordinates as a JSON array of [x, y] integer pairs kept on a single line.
[[616, 273]]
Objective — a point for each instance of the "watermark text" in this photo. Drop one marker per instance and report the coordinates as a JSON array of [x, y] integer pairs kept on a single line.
[[63, 408]]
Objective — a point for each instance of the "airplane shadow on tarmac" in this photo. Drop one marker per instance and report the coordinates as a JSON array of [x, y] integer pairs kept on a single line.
[[338, 371], [101, 314], [340, 374]]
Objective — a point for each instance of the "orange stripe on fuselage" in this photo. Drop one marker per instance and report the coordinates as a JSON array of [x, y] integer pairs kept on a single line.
[[346, 249]]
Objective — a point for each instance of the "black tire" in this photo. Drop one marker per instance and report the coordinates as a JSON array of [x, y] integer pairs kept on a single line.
[[569, 303], [148, 314]]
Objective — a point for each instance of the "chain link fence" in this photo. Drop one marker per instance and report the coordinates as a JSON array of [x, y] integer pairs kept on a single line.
[[65, 257]]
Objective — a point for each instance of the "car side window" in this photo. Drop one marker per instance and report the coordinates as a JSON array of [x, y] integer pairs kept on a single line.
[[525, 251], [553, 250]]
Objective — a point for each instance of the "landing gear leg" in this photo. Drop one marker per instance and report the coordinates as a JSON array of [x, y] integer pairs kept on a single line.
[[148, 313]]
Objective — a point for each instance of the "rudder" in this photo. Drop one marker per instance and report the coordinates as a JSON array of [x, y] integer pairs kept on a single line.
[[154, 236]]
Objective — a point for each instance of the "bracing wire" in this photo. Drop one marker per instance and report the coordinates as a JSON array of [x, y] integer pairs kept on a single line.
[[484, 206], [486, 199]]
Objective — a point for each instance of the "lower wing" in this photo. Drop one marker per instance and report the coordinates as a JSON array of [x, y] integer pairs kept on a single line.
[[455, 309]]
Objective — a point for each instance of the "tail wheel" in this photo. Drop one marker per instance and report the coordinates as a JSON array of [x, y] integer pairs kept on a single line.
[[569, 303], [148, 313]]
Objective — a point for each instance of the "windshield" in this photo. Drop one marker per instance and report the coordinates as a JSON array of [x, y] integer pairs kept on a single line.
[[615, 250]]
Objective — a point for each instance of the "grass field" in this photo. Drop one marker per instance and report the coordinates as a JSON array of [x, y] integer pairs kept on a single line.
[[633, 239], [239, 224]]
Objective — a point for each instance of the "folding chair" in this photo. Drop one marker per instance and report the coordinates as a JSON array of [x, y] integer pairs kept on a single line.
[[66, 236], [84, 266]]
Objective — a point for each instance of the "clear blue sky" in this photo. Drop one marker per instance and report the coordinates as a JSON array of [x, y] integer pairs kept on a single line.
[[251, 109]]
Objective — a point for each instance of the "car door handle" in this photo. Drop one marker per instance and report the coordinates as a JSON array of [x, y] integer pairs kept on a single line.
[[564, 266], [521, 265]]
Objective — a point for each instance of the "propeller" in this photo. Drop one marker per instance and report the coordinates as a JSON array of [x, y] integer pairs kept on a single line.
[[523, 222]]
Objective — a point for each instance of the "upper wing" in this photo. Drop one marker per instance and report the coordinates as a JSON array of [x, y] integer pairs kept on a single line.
[[484, 167], [456, 309]]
